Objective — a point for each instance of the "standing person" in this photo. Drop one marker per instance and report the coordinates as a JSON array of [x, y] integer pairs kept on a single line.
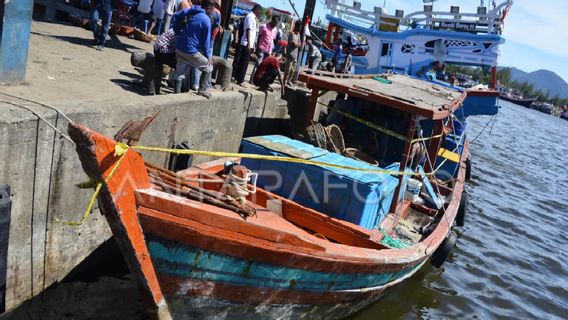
[[158, 12], [292, 53], [348, 62], [265, 44], [278, 38], [100, 9], [170, 9], [314, 55], [338, 56], [144, 13], [246, 44], [216, 22], [267, 72], [193, 46]]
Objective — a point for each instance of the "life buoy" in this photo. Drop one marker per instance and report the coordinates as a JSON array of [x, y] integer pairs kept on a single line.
[[462, 209], [443, 251]]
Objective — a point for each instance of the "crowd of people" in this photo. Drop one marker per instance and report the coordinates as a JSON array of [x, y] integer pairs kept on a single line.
[[185, 43]]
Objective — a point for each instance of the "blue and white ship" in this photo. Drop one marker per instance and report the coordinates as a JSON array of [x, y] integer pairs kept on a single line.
[[420, 44]]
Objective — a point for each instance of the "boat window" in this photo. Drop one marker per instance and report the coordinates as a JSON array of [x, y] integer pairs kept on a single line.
[[430, 44], [385, 50], [407, 48]]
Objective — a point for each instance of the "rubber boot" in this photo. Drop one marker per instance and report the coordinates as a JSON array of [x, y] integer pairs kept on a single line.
[[204, 84], [179, 84]]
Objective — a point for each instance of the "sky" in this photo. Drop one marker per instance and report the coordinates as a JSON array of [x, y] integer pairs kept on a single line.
[[535, 31]]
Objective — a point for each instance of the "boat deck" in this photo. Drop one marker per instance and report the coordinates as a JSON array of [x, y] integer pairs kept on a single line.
[[398, 91]]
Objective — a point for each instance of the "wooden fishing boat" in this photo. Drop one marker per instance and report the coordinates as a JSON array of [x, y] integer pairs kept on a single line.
[[525, 102], [200, 251]]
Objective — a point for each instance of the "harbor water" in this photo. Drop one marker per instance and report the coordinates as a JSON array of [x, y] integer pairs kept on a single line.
[[510, 261], [511, 258]]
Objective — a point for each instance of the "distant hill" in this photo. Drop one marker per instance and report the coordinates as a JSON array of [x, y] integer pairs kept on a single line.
[[544, 80]]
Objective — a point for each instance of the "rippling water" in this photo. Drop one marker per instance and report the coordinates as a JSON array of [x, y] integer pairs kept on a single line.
[[511, 259]]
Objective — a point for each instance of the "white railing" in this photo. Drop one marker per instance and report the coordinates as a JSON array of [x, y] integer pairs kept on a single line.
[[484, 21]]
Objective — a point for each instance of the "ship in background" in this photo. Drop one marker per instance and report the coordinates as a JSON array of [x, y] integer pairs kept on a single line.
[[417, 42], [421, 44]]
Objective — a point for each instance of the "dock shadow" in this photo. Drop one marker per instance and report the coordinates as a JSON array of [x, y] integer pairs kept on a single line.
[[133, 84], [113, 43]]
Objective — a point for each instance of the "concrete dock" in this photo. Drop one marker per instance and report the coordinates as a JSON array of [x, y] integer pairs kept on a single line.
[[98, 89]]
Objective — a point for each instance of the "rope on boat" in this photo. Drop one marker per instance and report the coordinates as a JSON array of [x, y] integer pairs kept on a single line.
[[379, 128], [237, 187], [490, 121], [122, 148], [98, 188], [270, 158]]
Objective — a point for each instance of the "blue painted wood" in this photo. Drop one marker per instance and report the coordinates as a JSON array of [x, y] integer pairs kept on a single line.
[[14, 39], [175, 259], [429, 188]]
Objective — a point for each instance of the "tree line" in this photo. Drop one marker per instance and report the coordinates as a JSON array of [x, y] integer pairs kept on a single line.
[[525, 88]]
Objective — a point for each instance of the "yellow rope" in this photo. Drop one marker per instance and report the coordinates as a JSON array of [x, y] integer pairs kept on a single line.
[[98, 188], [379, 128], [270, 158], [122, 148]]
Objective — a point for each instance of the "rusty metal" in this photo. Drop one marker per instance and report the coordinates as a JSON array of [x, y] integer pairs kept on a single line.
[[132, 130]]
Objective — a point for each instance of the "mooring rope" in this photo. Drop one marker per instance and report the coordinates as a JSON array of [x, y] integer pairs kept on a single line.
[[42, 118]]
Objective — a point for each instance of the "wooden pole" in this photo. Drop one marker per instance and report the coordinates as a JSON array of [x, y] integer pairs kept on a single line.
[[313, 102], [434, 145], [308, 14], [226, 9], [404, 161], [494, 77]]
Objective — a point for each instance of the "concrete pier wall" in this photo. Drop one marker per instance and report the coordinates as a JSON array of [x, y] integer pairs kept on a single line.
[[42, 169]]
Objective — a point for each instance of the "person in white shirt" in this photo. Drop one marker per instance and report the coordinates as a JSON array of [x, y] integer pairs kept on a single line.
[[314, 55], [158, 11], [144, 13], [249, 28]]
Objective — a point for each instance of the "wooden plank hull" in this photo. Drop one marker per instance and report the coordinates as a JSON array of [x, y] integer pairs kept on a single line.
[[208, 285], [199, 261]]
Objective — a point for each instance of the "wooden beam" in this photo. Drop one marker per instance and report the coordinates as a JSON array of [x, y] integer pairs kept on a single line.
[[404, 161], [434, 145]]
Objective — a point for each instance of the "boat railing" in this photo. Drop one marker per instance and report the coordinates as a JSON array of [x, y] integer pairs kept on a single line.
[[484, 21]]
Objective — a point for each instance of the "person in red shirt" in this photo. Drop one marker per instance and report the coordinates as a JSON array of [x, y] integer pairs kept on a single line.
[[267, 72]]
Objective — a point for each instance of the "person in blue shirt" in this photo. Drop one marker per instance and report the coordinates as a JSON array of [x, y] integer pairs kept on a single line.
[[193, 45], [100, 9]]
